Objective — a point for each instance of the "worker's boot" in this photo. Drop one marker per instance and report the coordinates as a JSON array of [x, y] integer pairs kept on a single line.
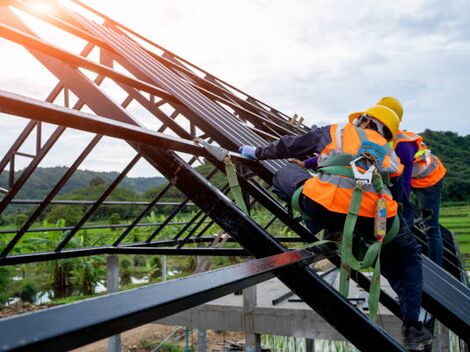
[[415, 336]]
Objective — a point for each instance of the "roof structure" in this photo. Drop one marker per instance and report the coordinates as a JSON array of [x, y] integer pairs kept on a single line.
[[112, 88]]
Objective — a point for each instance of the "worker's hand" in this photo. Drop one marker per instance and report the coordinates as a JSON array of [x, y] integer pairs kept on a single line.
[[248, 151], [297, 162]]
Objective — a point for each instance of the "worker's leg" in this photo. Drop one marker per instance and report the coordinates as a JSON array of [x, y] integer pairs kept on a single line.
[[401, 265], [429, 202], [288, 179]]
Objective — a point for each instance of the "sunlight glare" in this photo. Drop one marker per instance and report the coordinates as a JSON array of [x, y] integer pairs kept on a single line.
[[42, 6]]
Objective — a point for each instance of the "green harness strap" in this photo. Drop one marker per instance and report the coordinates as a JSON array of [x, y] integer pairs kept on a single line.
[[348, 260], [234, 185]]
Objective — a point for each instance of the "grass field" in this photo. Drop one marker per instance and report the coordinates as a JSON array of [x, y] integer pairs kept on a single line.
[[457, 220]]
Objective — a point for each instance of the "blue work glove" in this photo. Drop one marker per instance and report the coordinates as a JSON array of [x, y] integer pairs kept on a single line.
[[248, 151]]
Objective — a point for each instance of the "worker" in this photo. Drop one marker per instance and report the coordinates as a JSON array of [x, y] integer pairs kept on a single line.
[[423, 173], [326, 198]]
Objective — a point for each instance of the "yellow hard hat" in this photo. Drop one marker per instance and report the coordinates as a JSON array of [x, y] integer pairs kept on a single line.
[[383, 114], [392, 103]]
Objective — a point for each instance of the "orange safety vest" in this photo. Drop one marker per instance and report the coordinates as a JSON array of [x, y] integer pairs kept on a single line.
[[334, 192], [427, 168]]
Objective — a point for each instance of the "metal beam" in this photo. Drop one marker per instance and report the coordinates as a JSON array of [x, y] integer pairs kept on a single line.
[[150, 250], [84, 322]]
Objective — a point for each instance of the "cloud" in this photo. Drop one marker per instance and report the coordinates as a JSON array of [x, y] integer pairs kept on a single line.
[[321, 59]]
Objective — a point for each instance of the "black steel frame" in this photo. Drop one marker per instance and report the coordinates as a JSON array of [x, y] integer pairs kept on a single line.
[[215, 111]]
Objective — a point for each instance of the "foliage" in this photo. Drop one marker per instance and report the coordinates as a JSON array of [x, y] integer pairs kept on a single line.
[[114, 219], [169, 346], [5, 273], [70, 213], [44, 178], [20, 219], [87, 272], [29, 290], [155, 264], [454, 152]]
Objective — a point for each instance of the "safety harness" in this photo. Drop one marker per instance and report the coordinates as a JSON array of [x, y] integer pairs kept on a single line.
[[341, 165], [347, 166]]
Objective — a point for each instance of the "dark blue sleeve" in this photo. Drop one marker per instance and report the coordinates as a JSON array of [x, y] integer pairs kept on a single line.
[[406, 152], [311, 163], [299, 147]]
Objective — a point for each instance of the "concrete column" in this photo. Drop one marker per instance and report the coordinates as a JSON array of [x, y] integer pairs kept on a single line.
[[112, 284], [164, 268], [444, 337], [201, 340], [309, 345], [252, 340]]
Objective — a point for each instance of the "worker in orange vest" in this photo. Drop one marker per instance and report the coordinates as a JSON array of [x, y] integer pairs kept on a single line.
[[346, 156], [423, 173]]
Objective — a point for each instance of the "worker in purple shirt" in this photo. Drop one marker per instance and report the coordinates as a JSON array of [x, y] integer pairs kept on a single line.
[[423, 173]]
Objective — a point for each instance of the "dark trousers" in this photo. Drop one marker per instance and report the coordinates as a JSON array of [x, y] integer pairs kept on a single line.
[[400, 259], [429, 203]]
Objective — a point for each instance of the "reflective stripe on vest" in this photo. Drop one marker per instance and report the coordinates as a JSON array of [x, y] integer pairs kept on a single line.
[[427, 168], [334, 192]]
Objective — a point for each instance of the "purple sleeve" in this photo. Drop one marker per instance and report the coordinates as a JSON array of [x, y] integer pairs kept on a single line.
[[296, 146], [311, 163], [406, 152]]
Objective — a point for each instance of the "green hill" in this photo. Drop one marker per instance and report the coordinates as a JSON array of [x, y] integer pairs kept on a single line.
[[454, 152], [43, 179]]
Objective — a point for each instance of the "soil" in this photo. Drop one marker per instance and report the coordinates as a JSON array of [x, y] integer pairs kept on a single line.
[[143, 338], [133, 340]]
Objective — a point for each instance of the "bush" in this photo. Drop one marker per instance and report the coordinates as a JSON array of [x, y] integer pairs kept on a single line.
[[139, 261], [4, 282], [29, 290], [20, 219], [71, 213], [114, 219], [170, 347]]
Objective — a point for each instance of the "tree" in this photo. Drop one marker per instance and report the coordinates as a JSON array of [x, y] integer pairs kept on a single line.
[[96, 181], [70, 213]]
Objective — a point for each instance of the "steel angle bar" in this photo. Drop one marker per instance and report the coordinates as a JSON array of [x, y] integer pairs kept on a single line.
[[213, 117], [236, 223], [197, 251], [102, 250], [90, 227], [15, 104], [446, 299], [33, 43], [324, 299], [17, 144], [211, 78], [240, 105], [100, 317], [90, 202], [37, 212]]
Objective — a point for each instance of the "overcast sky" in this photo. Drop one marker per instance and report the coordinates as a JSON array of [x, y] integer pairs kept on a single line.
[[320, 59]]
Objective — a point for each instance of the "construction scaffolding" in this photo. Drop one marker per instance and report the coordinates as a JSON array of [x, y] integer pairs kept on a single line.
[[200, 119]]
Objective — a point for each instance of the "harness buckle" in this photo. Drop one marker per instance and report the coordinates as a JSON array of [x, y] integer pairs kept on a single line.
[[363, 179]]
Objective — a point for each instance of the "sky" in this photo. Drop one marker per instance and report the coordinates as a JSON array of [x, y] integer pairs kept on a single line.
[[319, 59]]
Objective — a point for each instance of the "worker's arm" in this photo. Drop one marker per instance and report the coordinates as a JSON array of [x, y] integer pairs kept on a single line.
[[294, 146], [406, 152]]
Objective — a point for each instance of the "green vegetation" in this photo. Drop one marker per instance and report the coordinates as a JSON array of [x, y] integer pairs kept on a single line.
[[454, 151], [457, 220], [44, 178]]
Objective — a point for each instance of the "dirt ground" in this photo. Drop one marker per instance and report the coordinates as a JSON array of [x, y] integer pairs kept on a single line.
[[140, 339], [132, 340]]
